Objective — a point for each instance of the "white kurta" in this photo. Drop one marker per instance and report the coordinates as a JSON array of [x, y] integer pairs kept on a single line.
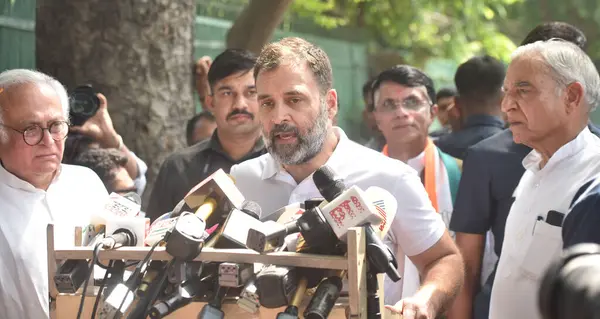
[[25, 213], [530, 244]]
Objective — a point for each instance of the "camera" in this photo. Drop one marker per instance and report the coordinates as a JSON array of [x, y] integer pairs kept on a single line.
[[570, 287], [83, 104]]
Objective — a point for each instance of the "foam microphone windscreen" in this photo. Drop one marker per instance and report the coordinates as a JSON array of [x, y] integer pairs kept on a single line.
[[328, 186], [252, 208]]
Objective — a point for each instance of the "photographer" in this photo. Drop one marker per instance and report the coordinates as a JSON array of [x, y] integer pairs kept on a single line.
[[98, 132]]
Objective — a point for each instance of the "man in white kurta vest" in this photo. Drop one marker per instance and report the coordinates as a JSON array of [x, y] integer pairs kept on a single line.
[[404, 108]]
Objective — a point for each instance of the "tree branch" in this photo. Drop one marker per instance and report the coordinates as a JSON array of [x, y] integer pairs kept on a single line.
[[255, 25]]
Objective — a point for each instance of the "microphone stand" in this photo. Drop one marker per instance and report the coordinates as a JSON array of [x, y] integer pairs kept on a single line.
[[373, 308]]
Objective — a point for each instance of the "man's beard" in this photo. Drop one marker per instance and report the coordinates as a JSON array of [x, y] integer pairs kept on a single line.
[[307, 146]]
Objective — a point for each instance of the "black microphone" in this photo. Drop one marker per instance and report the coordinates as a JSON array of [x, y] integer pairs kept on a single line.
[[324, 299], [275, 285], [291, 312], [381, 259], [181, 297], [311, 224], [212, 310]]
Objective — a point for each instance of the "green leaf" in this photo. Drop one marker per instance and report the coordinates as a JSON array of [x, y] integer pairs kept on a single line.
[[488, 13]]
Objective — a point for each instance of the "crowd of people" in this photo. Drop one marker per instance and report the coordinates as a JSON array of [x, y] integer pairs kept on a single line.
[[485, 204]]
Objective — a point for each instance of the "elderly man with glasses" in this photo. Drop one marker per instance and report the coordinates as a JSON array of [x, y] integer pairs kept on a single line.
[[404, 108], [550, 89], [36, 189]]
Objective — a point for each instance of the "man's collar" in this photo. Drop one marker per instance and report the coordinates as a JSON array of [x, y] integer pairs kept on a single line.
[[533, 159], [272, 167], [13, 181], [483, 120], [215, 145]]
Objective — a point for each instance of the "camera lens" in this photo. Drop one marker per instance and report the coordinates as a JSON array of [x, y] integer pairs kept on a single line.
[[83, 104]]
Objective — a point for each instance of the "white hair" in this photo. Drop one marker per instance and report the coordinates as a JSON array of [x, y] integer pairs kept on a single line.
[[17, 77], [568, 64]]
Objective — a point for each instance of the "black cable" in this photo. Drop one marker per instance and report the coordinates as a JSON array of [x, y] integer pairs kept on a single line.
[[97, 301], [103, 266], [132, 279], [87, 278], [157, 291]]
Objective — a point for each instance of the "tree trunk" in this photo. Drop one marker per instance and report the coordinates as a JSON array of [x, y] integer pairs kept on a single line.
[[254, 27], [139, 54]]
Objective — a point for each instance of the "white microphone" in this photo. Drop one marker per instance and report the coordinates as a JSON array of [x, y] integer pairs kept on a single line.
[[352, 208], [116, 206], [386, 205], [124, 224]]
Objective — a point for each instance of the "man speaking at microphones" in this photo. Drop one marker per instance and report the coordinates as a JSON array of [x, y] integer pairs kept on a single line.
[[36, 189], [297, 104]]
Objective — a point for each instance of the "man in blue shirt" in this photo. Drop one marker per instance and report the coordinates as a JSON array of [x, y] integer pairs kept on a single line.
[[479, 85]]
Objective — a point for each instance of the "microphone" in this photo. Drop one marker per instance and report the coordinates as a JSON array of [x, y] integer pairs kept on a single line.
[[184, 240], [328, 291], [351, 202], [152, 271], [249, 300], [218, 186], [122, 221], [323, 300], [116, 206], [215, 193], [235, 275], [346, 201], [186, 285], [127, 205], [212, 310], [275, 285], [159, 229], [312, 225], [180, 298], [291, 312], [269, 235], [386, 205], [235, 229]]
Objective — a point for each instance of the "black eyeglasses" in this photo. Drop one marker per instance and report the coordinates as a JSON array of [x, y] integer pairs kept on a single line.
[[33, 135]]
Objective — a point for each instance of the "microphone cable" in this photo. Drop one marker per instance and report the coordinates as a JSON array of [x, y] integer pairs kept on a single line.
[[87, 278], [160, 284], [138, 270], [97, 301]]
